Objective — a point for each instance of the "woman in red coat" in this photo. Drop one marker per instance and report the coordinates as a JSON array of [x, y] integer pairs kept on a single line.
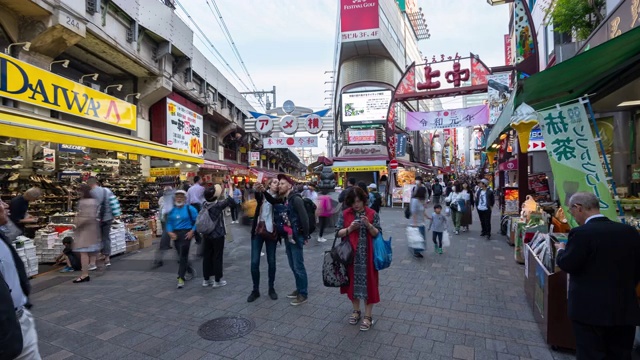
[[359, 224]]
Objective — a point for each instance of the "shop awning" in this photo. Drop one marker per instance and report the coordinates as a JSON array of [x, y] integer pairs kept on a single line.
[[212, 165], [503, 122], [359, 166], [586, 73], [16, 124]]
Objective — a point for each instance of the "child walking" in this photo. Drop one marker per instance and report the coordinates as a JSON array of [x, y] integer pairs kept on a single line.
[[438, 225]]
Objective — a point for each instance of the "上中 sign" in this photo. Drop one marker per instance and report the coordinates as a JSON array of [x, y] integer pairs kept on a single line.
[[184, 129], [27, 83], [435, 120], [361, 136], [573, 156], [290, 142]]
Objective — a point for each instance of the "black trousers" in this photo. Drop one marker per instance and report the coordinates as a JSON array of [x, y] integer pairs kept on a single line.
[[212, 254], [234, 212], [485, 221], [323, 223], [603, 342], [182, 247]]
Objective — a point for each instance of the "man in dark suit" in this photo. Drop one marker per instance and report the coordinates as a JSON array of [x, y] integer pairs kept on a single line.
[[602, 258], [484, 201]]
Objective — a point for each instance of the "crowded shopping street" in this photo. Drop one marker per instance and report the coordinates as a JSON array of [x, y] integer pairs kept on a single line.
[[330, 179]]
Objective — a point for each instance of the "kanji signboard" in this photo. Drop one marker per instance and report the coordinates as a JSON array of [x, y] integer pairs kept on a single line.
[[184, 129], [433, 120], [290, 142], [313, 124], [289, 124], [574, 158]]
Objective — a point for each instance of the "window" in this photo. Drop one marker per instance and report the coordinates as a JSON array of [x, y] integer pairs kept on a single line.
[[213, 144]]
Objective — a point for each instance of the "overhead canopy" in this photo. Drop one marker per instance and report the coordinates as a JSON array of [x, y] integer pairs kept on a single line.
[[586, 73], [33, 127]]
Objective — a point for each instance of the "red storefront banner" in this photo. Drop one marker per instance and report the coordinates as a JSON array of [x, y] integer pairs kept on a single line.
[[359, 20], [507, 50]]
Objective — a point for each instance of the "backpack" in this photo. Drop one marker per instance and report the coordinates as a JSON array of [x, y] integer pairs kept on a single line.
[[437, 189], [326, 207], [204, 223], [377, 202], [114, 205], [310, 207], [280, 218]]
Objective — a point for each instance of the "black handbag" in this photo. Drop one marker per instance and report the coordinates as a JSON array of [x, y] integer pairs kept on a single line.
[[261, 229], [343, 252], [334, 273]]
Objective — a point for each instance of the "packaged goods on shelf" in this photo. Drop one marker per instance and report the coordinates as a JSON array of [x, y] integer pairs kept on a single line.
[[117, 236], [27, 252], [48, 245]]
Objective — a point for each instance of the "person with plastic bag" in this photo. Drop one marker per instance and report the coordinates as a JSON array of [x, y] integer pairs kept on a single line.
[[457, 201], [359, 225], [213, 242], [418, 218]]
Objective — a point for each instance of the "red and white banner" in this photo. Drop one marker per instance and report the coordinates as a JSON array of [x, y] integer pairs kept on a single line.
[[289, 142], [508, 50], [359, 20], [361, 137]]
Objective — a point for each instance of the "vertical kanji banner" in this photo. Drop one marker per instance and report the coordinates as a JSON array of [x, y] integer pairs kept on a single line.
[[574, 159]]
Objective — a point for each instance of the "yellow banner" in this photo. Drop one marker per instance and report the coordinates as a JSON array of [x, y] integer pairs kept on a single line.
[[155, 172], [27, 83], [133, 157], [358, 168], [121, 156]]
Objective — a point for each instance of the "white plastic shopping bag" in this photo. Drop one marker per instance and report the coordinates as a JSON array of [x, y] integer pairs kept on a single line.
[[446, 242], [414, 238]]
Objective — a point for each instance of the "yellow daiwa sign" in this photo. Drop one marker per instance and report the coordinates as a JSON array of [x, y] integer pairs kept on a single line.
[[27, 83]]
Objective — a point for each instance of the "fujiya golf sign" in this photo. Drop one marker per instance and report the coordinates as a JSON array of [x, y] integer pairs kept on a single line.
[[27, 83]]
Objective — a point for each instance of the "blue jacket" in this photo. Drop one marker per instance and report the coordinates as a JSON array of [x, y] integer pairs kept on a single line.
[[182, 218]]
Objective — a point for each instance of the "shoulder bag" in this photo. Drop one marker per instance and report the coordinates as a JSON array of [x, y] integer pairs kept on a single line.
[[334, 273]]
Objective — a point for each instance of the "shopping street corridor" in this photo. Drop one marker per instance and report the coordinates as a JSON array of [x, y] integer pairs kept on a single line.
[[467, 303]]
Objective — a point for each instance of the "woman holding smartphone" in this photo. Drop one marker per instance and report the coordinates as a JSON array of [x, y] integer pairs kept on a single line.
[[359, 225]]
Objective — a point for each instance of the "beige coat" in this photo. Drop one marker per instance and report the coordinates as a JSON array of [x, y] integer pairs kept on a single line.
[[87, 232]]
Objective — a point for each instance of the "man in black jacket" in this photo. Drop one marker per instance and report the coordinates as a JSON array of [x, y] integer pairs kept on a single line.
[[602, 258], [18, 336], [485, 200], [300, 226]]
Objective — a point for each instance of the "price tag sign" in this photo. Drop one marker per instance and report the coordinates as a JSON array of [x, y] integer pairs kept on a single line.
[[133, 157], [144, 205]]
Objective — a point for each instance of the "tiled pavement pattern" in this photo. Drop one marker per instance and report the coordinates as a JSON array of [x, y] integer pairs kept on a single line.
[[465, 304]]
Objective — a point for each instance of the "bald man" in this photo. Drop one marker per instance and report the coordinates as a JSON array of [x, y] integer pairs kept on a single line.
[[602, 258]]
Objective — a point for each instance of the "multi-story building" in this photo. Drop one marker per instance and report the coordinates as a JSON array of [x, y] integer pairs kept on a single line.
[[377, 40], [131, 79]]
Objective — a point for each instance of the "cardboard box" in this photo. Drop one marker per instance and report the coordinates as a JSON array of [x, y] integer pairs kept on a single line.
[[145, 238], [131, 246]]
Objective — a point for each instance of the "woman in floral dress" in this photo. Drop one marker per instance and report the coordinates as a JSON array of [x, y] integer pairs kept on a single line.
[[359, 225]]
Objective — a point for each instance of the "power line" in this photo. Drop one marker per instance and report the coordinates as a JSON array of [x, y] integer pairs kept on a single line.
[[236, 52], [222, 60]]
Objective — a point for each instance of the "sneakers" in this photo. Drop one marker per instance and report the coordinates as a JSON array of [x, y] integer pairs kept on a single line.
[[299, 300], [293, 295], [67, 269], [180, 283], [253, 296], [92, 267], [217, 284], [457, 232], [206, 283], [107, 264], [439, 251], [272, 294], [321, 240]]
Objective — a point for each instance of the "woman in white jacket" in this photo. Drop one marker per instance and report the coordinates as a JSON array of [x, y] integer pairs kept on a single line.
[[458, 200]]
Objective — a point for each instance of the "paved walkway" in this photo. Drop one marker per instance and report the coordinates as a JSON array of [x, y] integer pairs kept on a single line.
[[468, 303]]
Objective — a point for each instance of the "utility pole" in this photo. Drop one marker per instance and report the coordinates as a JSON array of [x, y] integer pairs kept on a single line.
[[259, 95]]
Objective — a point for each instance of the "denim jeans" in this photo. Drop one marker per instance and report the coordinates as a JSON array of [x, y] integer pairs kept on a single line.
[[256, 248], [296, 263]]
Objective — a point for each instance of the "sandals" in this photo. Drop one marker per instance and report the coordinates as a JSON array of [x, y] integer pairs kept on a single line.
[[354, 317], [367, 323]]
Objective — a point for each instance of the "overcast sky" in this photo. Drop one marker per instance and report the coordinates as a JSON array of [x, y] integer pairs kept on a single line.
[[290, 44]]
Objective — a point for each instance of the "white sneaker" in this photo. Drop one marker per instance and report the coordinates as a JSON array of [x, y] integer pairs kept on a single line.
[[321, 239], [92, 268], [217, 284], [206, 283]]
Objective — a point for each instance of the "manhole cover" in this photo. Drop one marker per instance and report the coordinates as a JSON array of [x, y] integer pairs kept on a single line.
[[226, 328]]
